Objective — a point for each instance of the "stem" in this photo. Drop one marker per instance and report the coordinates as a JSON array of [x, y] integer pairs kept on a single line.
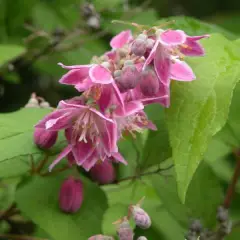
[[19, 237], [9, 212], [42, 164], [145, 174], [55, 171], [232, 186]]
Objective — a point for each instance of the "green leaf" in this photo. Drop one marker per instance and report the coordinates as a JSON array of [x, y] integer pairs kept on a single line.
[[199, 109], [38, 200], [9, 52], [204, 195], [157, 148], [16, 140]]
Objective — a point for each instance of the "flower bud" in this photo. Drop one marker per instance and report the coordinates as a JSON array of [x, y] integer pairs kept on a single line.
[[142, 238], [103, 173], [71, 195], [222, 214], [44, 139], [139, 47], [71, 159], [142, 36], [125, 231], [140, 217], [101, 237], [149, 83], [150, 43], [128, 79], [196, 226]]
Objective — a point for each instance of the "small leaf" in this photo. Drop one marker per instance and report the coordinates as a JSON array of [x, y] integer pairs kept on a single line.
[[38, 200]]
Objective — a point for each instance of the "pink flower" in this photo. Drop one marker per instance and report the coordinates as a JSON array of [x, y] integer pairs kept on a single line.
[[91, 135], [121, 39], [71, 195]]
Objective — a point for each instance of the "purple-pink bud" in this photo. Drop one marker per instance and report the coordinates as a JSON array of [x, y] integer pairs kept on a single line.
[[129, 78], [103, 173], [125, 231], [101, 237], [71, 195], [140, 217], [139, 47], [149, 83], [44, 139]]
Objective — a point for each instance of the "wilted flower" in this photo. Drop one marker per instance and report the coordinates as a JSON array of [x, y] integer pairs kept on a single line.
[[71, 195], [124, 230], [44, 139]]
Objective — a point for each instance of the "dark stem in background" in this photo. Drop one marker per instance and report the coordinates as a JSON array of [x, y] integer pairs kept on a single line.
[[232, 186], [19, 237]]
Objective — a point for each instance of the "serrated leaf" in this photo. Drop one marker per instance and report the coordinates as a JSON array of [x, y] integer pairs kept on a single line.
[[9, 52], [199, 109], [38, 200]]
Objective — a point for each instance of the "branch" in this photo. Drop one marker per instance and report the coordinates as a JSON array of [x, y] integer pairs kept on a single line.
[[232, 185], [55, 171], [145, 174]]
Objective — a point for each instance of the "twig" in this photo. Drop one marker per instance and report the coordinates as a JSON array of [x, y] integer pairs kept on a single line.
[[145, 174], [19, 237], [231, 187], [55, 171], [42, 164], [9, 212]]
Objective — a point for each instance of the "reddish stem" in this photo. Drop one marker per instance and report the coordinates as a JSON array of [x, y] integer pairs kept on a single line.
[[232, 186]]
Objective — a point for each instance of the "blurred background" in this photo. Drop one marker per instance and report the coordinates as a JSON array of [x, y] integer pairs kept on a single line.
[[37, 34]]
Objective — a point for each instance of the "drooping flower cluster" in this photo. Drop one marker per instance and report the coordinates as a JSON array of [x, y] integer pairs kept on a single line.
[[115, 88]]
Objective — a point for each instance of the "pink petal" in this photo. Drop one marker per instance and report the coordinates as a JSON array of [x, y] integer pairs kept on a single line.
[[63, 154], [111, 55], [121, 39], [151, 55], [84, 85], [130, 108], [117, 94], [196, 38], [81, 151], [100, 74], [106, 97], [57, 120], [90, 161], [181, 71], [74, 66], [102, 117], [75, 76], [113, 134], [117, 156], [72, 105], [162, 64], [192, 48], [172, 37]]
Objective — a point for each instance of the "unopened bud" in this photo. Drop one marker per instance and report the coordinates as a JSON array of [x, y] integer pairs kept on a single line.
[[140, 217], [142, 36], [71, 159], [125, 231], [103, 173], [139, 47], [71, 195], [117, 73], [196, 226], [128, 79], [101, 237], [142, 238], [149, 83], [128, 63], [222, 214], [44, 139], [150, 43]]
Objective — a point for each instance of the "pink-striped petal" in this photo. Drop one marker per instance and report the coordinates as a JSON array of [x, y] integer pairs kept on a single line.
[[90, 161], [117, 94], [121, 39], [74, 66], [162, 65], [172, 37], [84, 85], [63, 154], [151, 55], [81, 151], [117, 156], [72, 105], [75, 76], [130, 108], [181, 71], [196, 38], [192, 48], [100, 74]]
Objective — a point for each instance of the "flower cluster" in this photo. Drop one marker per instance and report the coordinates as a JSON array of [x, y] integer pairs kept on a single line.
[[115, 89]]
